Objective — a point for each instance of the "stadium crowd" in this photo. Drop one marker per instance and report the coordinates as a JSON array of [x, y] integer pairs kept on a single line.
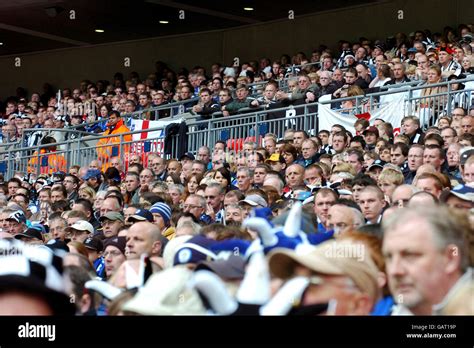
[[329, 223]]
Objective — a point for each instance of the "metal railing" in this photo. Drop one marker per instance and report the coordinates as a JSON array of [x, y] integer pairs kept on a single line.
[[249, 124]]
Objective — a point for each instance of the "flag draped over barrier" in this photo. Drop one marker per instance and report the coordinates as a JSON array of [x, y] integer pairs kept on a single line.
[[392, 111]]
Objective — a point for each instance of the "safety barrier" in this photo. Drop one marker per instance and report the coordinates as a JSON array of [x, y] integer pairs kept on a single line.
[[250, 124]]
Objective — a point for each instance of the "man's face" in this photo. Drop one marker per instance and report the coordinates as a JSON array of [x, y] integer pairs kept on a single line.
[[414, 265], [370, 138], [94, 165], [223, 97], [252, 161], [143, 100], [409, 127], [69, 184], [205, 97], [340, 219], [109, 204], [428, 185], [459, 204], [131, 183], [242, 93], [371, 205], [324, 138], [233, 215], [312, 177], [193, 206], [173, 167], [214, 198], [294, 176], [415, 158], [270, 92], [113, 120], [158, 99], [218, 160], [44, 196], [13, 227], [78, 236], [431, 156], [139, 241], [270, 146], [56, 229], [243, 180], [113, 258], [387, 187], [354, 162], [322, 204], [398, 71], [259, 175], [308, 149], [338, 143], [452, 155], [204, 155], [197, 168], [396, 157], [350, 78], [12, 187], [110, 227], [158, 165], [466, 124], [444, 57], [468, 173], [57, 196], [448, 136]]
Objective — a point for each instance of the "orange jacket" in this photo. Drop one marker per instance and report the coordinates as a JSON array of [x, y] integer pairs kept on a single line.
[[105, 153], [49, 162]]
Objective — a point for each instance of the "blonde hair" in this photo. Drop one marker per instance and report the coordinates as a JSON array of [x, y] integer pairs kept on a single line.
[[392, 176]]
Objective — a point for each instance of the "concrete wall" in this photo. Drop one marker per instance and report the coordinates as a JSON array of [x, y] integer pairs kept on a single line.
[[67, 67]]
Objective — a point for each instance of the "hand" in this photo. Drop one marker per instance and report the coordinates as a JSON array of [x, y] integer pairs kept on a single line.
[[310, 97], [210, 211], [254, 103]]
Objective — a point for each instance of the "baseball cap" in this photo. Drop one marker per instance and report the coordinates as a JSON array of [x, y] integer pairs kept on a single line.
[[112, 216], [276, 157], [412, 50], [464, 192], [36, 271], [254, 200], [141, 215], [194, 250], [80, 225], [465, 154], [231, 268], [118, 242], [187, 155], [91, 173], [94, 243], [377, 164], [371, 129], [158, 296], [324, 259], [56, 244], [17, 216], [31, 233]]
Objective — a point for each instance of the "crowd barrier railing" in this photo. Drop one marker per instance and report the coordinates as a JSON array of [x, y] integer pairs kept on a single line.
[[235, 130]]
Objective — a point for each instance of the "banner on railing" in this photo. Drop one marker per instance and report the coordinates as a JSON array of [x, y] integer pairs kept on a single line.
[[392, 112]]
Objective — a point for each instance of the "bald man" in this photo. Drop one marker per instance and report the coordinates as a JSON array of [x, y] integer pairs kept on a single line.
[[144, 238], [342, 218]]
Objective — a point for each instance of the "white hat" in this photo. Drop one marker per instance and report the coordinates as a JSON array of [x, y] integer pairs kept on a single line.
[[167, 293], [255, 200], [81, 225]]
